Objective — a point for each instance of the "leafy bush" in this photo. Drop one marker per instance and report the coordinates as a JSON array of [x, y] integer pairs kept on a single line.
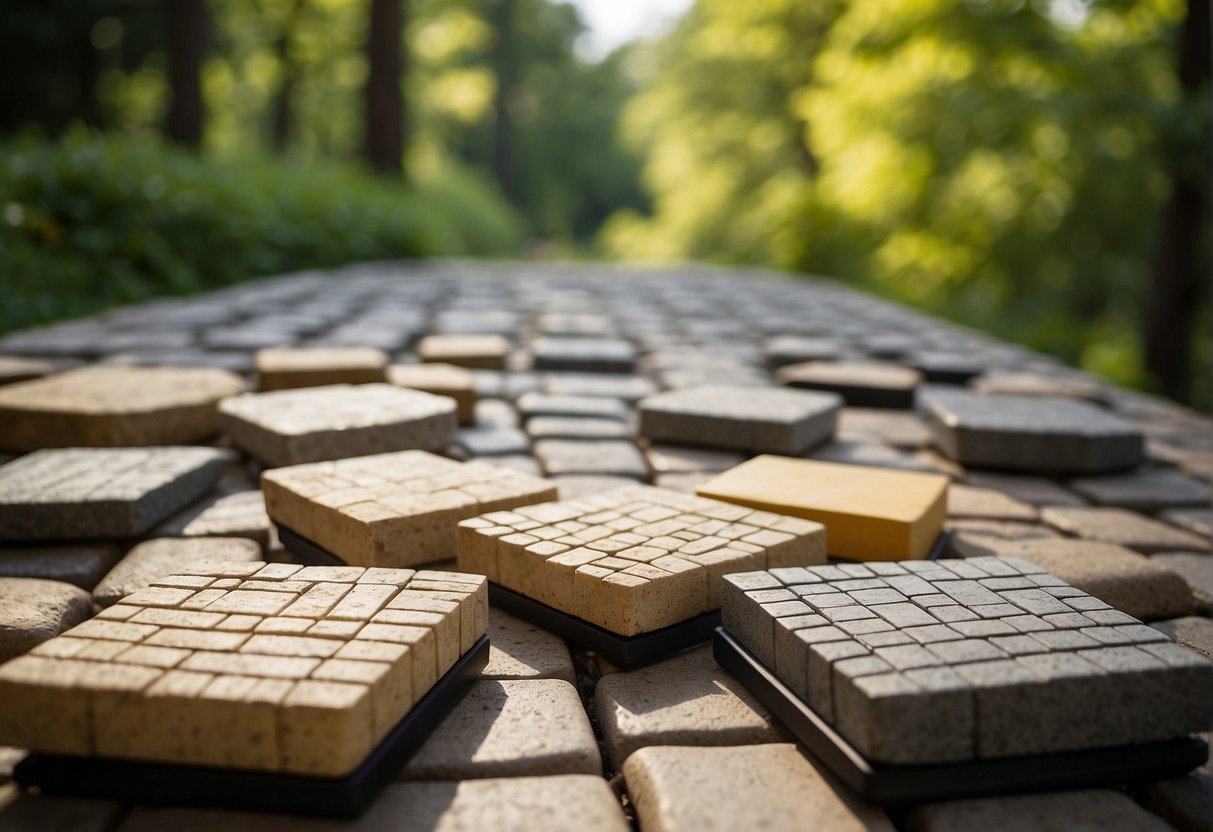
[[93, 220]]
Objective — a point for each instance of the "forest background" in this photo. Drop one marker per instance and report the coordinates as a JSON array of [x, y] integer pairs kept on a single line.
[[1038, 169]]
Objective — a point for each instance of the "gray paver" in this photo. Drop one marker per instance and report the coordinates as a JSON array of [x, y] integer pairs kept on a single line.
[[78, 493], [1146, 490], [778, 421], [1123, 527], [1032, 434], [1086, 811], [34, 610], [79, 564]]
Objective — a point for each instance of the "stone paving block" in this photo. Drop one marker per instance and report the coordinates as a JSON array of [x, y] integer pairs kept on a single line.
[[1185, 802], [513, 804], [1196, 520], [114, 406], [576, 486], [448, 380], [80, 564], [493, 440], [982, 538], [1036, 491], [987, 687], [635, 559], [623, 386], [240, 514], [1197, 570], [675, 459], [21, 811], [771, 420], [605, 355], [1032, 384], [1190, 631], [986, 503], [939, 367], [152, 560], [172, 676], [1124, 528], [793, 349], [679, 789], [869, 514], [33, 610], [1031, 434], [1084, 811], [531, 405], [567, 427], [521, 650], [477, 352], [608, 457], [1147, 490], [397, 509], [79, 493], [284, 368], [891, 427], [1125, 580], [292, 427], [14, 369], [687, 700], [510, 728], [860, 383]]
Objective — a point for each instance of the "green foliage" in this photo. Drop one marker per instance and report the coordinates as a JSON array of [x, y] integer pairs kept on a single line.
[[92, 220], [993, 161]]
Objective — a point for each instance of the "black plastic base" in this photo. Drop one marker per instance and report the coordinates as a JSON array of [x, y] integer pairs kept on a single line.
[[312, 554], [161, 784], [905, 785], [622, 651]]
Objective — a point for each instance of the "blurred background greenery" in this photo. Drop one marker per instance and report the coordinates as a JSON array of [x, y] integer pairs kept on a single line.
[[1035, 168]]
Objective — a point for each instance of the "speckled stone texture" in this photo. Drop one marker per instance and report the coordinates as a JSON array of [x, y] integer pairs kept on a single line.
[[154, 559], [114, 406], [291, 427], [79, 493], [679, 789], [1123, 527], [521, 650], [774, 421], [79, 564], [33, 611], [948, 661], [1031, 434]]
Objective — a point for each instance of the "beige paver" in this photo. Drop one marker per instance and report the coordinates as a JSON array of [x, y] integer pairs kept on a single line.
[[631, 560], [947, 661], [987, 503], [108, 406], [398, 509], [165, 679], [513, 804], [868, 514], [510, 728], [282, 368], [155, 559], [1124, 528], [101, 493], [860, 383], [1086, 811], [477, 352], [685, 700], [679, 789], [521, 650], [292, 427], [448, 380], [33, 610]]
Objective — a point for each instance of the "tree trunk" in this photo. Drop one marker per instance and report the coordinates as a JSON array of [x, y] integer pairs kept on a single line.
[[1171, 306], [505, 66], [384, 101], [185, 43]]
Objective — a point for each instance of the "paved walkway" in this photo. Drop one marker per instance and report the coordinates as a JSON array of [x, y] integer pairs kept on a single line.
[[553, 737]]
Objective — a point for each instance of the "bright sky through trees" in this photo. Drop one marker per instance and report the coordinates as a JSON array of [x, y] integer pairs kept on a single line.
[[612, 23]]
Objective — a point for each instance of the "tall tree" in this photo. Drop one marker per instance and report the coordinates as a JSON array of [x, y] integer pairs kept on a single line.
[[185, 43], [1171, 311], [288, 69], [385, 111], [505, 61]]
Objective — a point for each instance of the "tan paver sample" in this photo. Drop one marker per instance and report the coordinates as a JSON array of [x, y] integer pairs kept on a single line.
[[477, 352], [634, 559], [923, 662], [275, 667], [870, 513], [396, 509], [282, 368], [292, 427], [448, 380], [114, 406]]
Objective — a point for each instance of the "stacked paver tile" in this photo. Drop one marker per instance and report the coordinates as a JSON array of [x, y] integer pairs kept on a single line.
[[595, 377]]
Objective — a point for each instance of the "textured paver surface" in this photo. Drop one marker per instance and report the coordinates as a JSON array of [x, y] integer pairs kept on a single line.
[[927, 662], [395, 509], [560, 359], [245, 665], [634, 559]]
